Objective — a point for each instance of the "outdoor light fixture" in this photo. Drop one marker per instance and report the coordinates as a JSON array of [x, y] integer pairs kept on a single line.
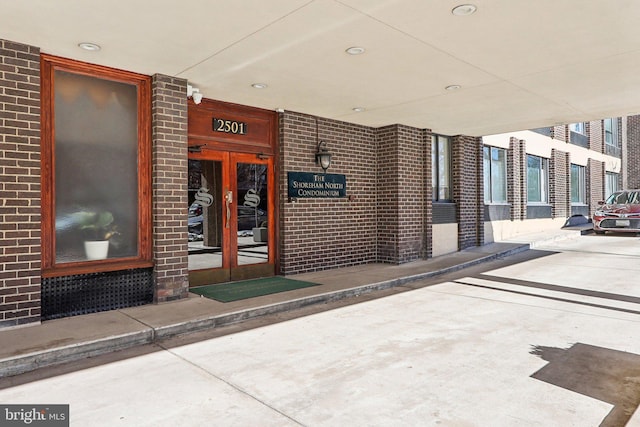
[[194, 93], [464, 10], [323, 156], [92, 47], [355, 50]]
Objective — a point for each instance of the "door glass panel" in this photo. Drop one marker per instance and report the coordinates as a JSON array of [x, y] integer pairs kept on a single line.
[[252, 213], [205, 215]]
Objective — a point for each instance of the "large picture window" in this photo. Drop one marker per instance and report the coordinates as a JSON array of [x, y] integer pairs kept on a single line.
[[495, 174], [441, 168], [537, 180], [96, 168]]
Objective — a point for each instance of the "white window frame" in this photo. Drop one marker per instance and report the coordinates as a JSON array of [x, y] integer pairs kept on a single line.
[[611, 184], [488, 169], [543, 179], [579, 127], [611, 137], [582, 184]]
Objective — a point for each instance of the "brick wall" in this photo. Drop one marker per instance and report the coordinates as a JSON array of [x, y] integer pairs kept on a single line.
[[19, 184], [517, 178], [595, 184], [560, 132], [169, 136], [401, 193], [596, 136], [633, 152], [317, 234], [559, 184], [388, 195], [466, 159]]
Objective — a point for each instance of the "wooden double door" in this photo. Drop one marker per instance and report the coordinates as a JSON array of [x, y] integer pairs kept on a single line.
[[231, 216]]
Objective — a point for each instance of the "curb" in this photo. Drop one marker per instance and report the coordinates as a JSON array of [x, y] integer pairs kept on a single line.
[[55, 356]]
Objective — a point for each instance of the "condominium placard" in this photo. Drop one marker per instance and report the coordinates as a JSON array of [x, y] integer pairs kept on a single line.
[[323, 185]]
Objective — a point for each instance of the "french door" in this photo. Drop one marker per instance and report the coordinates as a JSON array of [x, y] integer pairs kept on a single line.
[[231, 217]]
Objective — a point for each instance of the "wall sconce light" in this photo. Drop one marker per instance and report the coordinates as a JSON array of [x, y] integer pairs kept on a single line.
[[323, 156], [194, 93]]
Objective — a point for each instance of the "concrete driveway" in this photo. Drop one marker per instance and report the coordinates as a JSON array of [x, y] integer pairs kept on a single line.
[[549, 337]]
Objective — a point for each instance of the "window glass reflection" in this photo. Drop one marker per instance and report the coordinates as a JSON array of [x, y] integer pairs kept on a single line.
[[252, 213], [96, 172]]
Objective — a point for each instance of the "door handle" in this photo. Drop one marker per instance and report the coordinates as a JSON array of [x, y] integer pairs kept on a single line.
[[228, 199]]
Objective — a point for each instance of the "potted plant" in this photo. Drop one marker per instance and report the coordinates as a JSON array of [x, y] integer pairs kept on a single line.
[[97, 228]]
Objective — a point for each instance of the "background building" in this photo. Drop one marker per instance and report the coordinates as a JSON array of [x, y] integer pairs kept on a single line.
[[535, 180]]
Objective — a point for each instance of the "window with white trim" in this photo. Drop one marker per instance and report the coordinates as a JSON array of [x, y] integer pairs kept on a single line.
[[611, 132], [612, 137], [578, 185], [611, 183], [495, 174], [537, 180], [579, 127]]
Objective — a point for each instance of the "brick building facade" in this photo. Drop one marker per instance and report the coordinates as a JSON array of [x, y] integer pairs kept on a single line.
[[389, 213]]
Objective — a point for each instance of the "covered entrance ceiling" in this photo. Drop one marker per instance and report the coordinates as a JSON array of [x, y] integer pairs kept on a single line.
[[518, 64]]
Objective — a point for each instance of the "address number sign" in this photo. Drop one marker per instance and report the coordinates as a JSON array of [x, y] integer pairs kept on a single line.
[[229, 126]]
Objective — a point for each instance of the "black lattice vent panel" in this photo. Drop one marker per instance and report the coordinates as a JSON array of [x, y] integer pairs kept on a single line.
[[93, 292]]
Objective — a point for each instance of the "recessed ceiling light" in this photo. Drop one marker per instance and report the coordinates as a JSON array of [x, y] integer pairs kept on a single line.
[[89, 46], [464, 10], [355, 50], [259, 85], [358, 109], [453, 87]]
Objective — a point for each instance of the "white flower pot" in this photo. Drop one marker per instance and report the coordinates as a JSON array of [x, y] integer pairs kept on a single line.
[[96, 250]]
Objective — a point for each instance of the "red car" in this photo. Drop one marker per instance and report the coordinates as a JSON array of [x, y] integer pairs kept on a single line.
[[619, 213]]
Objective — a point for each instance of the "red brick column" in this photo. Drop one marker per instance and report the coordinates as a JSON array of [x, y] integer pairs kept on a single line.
[[596, 136], [560, 132], [468, 192], [387, 194], [632, 161], [404, 193], [19, 184], [595, 184], [559, 184], [169, 134], [517, 178]]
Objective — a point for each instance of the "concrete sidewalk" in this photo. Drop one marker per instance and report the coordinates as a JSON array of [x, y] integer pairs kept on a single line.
[[58, 341]]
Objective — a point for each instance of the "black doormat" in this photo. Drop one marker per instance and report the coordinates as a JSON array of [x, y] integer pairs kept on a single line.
[[235, 291]]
